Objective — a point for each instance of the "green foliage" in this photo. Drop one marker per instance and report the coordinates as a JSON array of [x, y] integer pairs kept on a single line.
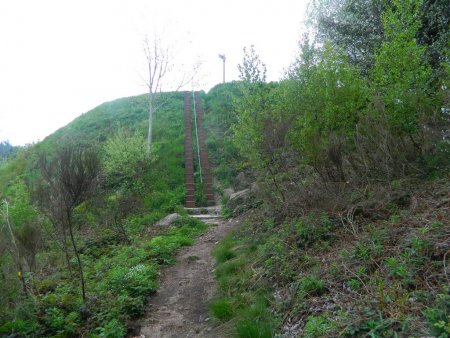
[[248, 328], [54, 318], [318, 326], [21, 212], [223, 252], [310, 286], [400, 76], [220, 115], [120, 261], [248, 310], [314, 228], [342, 94], [221, 309], [438, 316], [252, 69], [124, 159], [20, 327], [395, 268], [113, 329], [357, 27]]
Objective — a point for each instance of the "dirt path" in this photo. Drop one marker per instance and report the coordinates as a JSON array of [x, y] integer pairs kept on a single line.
[[180, 306]]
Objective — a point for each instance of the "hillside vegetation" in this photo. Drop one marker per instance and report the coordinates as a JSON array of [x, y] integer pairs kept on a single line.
[[346, 223], [78, 253], [343, 168]]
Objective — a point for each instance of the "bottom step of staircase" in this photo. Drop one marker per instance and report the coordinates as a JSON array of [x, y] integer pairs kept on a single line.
[[208, 215]]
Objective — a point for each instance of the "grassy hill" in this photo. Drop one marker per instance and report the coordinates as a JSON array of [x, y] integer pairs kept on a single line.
[[119, 249], [343, 171]]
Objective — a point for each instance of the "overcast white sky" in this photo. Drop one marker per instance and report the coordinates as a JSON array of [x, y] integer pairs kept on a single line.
[[61, 58]]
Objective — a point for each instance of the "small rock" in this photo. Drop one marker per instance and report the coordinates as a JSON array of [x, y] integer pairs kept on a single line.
[[228, 192], [168, 220], [240, 194]]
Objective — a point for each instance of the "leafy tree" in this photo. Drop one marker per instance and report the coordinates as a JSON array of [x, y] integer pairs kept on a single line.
[[6, 150], [252, 69], [357, 26], [353, 25], [332, 95], [400, 76]]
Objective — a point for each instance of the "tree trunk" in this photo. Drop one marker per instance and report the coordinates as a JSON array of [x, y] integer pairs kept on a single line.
[[77, 255], [150, 122], [66, 249]]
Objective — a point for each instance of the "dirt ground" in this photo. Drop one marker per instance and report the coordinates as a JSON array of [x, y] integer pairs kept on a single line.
[[180, 306]]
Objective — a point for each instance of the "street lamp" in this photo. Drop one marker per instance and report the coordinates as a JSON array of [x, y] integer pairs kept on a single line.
[[222, 56]]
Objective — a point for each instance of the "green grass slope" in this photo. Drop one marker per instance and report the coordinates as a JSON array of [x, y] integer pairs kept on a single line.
[[120, 249]]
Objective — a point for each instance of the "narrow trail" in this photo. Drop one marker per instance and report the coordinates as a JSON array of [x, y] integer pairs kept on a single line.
[[180, 306]]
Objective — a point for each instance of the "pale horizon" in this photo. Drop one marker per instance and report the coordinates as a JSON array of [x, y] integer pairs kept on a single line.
[[59, 60]]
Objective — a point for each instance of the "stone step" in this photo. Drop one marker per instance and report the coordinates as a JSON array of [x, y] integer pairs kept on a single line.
[[212, 210], [211, 221], [206, 216]]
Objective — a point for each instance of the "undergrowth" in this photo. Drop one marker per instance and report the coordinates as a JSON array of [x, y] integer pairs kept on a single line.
[[316, 276], [119, 283]]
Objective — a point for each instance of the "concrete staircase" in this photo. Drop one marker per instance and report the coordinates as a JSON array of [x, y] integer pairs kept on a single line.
[[208, 215]]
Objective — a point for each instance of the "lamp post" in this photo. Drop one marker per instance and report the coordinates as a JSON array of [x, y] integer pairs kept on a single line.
[[222, 56]]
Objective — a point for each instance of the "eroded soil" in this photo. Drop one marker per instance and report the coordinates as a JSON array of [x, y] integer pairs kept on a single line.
[[180, 306]]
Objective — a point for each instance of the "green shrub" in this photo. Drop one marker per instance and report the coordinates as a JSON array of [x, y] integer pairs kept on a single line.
[[313, 228], [113, 329], [131, 307], [54, 318], [19, 327], [124, 159], [140, 280]]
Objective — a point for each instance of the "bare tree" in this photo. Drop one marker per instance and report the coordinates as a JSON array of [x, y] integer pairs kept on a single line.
[[68, 180], [159, 60]]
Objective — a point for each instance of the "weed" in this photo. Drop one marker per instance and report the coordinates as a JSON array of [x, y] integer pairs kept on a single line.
[[313, 228], [112, 329], [223, 252], [396, 268], [354, 284], [255, 320], [318, 326], [229, 267], [247, 328], [438, 316], [221, 309], [310, 286]]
